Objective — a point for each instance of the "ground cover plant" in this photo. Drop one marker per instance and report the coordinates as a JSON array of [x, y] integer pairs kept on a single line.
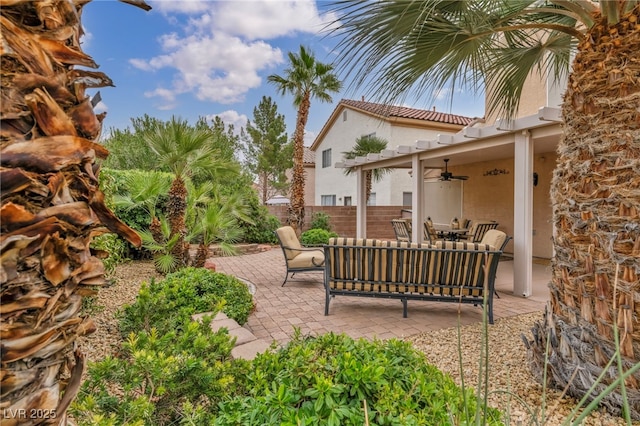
[[168, 304], [336, 380]]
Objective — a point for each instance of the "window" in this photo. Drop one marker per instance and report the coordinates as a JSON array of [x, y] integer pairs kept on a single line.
[[344, 115], [347, 201], [327, 200], [370, 135], [372, 199], [407, 199], [326, 158]]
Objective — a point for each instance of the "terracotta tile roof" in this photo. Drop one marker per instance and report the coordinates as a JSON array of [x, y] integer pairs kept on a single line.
[[308, 156], [389, 111]]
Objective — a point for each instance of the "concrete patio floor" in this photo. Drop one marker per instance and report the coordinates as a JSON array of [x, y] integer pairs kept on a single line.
[[300, 303]]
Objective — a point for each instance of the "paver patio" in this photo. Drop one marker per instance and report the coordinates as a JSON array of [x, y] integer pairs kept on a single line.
[[300, 303]]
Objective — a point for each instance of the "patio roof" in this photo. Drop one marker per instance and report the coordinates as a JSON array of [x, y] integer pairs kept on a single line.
[[519, 139], [471, 144]]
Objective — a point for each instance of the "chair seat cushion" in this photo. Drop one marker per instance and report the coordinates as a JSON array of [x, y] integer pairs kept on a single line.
[[306, 259]]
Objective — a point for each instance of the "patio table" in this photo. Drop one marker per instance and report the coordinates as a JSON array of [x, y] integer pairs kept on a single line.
[[449, 233]]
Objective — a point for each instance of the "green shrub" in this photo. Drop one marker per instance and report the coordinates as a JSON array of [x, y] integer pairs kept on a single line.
[[316, 237], [161, 379], [325, 380], [320, 220], [114, 247], [167, 304], [264, 224]]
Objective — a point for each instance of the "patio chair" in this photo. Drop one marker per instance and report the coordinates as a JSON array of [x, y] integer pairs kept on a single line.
[[430, 233], [401, 229], [297, 257], [497, 239], [478, 229]]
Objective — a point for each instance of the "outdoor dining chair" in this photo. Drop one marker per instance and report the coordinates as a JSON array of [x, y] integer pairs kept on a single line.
[[401, 229], [478, 229]]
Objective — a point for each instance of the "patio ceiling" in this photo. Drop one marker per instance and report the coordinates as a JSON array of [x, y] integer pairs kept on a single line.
[[471, 144]]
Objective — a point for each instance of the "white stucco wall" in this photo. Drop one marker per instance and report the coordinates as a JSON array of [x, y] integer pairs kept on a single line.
[[342, 137]]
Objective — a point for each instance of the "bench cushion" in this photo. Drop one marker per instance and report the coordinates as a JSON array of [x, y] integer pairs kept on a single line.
[[289, 240]]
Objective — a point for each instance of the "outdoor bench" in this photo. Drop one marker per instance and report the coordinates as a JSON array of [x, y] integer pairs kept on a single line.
[[444, 272]]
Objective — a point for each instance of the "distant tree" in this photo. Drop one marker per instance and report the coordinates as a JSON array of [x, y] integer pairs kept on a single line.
[[305, 78], [267, 151], [128, 149], [367, 145]]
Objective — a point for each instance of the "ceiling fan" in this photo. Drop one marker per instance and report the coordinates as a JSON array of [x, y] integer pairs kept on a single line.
[[447, 176]]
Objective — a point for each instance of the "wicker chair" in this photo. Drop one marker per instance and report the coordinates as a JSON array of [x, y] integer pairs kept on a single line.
[[298, 258]]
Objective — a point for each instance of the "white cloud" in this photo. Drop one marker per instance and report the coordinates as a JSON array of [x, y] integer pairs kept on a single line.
[[223, 49], [268, 19], [309, 137]]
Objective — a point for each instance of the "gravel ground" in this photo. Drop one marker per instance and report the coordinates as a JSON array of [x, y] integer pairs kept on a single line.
[[508, 366]]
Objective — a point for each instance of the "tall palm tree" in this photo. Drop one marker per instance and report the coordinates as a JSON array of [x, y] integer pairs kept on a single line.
[[306, 78], [367, 145], [185, 150], [51, 207], [419, 47]]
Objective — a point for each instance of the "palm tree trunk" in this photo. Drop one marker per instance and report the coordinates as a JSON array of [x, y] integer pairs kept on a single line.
[[176, 209], [368, 178], [595, 284], [296, 208], [50, 209]]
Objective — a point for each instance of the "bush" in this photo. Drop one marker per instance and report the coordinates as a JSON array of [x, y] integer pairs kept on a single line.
[[161, 379], [168, 304], [320, 220], [264, 223], [316, 237], [114, 247], [325, 380]]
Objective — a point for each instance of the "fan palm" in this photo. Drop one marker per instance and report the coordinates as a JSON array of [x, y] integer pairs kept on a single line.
[[305, 79], [184, 150], [420, 47], [50, 207], [367, 145]]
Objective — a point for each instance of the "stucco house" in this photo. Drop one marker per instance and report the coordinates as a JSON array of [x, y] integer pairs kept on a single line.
[[400, 126], [509, 165]]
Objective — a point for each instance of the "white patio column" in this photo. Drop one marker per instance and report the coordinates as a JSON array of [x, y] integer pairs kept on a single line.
[[361, 204], [417, 194], [523, 215]]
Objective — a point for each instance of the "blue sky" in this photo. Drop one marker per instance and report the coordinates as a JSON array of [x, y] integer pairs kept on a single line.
[[205, 58]]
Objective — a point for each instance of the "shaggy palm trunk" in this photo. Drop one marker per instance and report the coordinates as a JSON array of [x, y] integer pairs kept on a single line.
[[368, 182], [595, 288], [296, 208], [50, 207], [176, 209]]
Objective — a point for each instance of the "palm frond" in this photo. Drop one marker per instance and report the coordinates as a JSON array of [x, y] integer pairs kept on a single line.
[[417, 49]]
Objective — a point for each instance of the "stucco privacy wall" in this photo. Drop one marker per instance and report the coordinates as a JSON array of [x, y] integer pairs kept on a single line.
[[341, 137], [343, 219], [488, 196]]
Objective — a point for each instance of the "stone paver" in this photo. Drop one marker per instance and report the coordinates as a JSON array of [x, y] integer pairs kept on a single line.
[[300, 303]]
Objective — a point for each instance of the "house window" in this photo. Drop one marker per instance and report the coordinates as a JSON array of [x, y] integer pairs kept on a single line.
[[372, 199], [328, 200], [407, 199], [326, 158], [344, 115], [347, 201], [369, 136]]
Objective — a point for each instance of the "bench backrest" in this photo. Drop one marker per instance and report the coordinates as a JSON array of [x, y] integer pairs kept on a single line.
[[445, 268]]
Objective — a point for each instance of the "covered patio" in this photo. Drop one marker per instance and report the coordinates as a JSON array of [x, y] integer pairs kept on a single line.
[[519, 140]]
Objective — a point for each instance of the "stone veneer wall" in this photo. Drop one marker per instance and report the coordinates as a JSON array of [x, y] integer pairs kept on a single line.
[[343, 219]]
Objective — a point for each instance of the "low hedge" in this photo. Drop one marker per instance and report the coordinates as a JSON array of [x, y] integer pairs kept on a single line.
[[166, 304]]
